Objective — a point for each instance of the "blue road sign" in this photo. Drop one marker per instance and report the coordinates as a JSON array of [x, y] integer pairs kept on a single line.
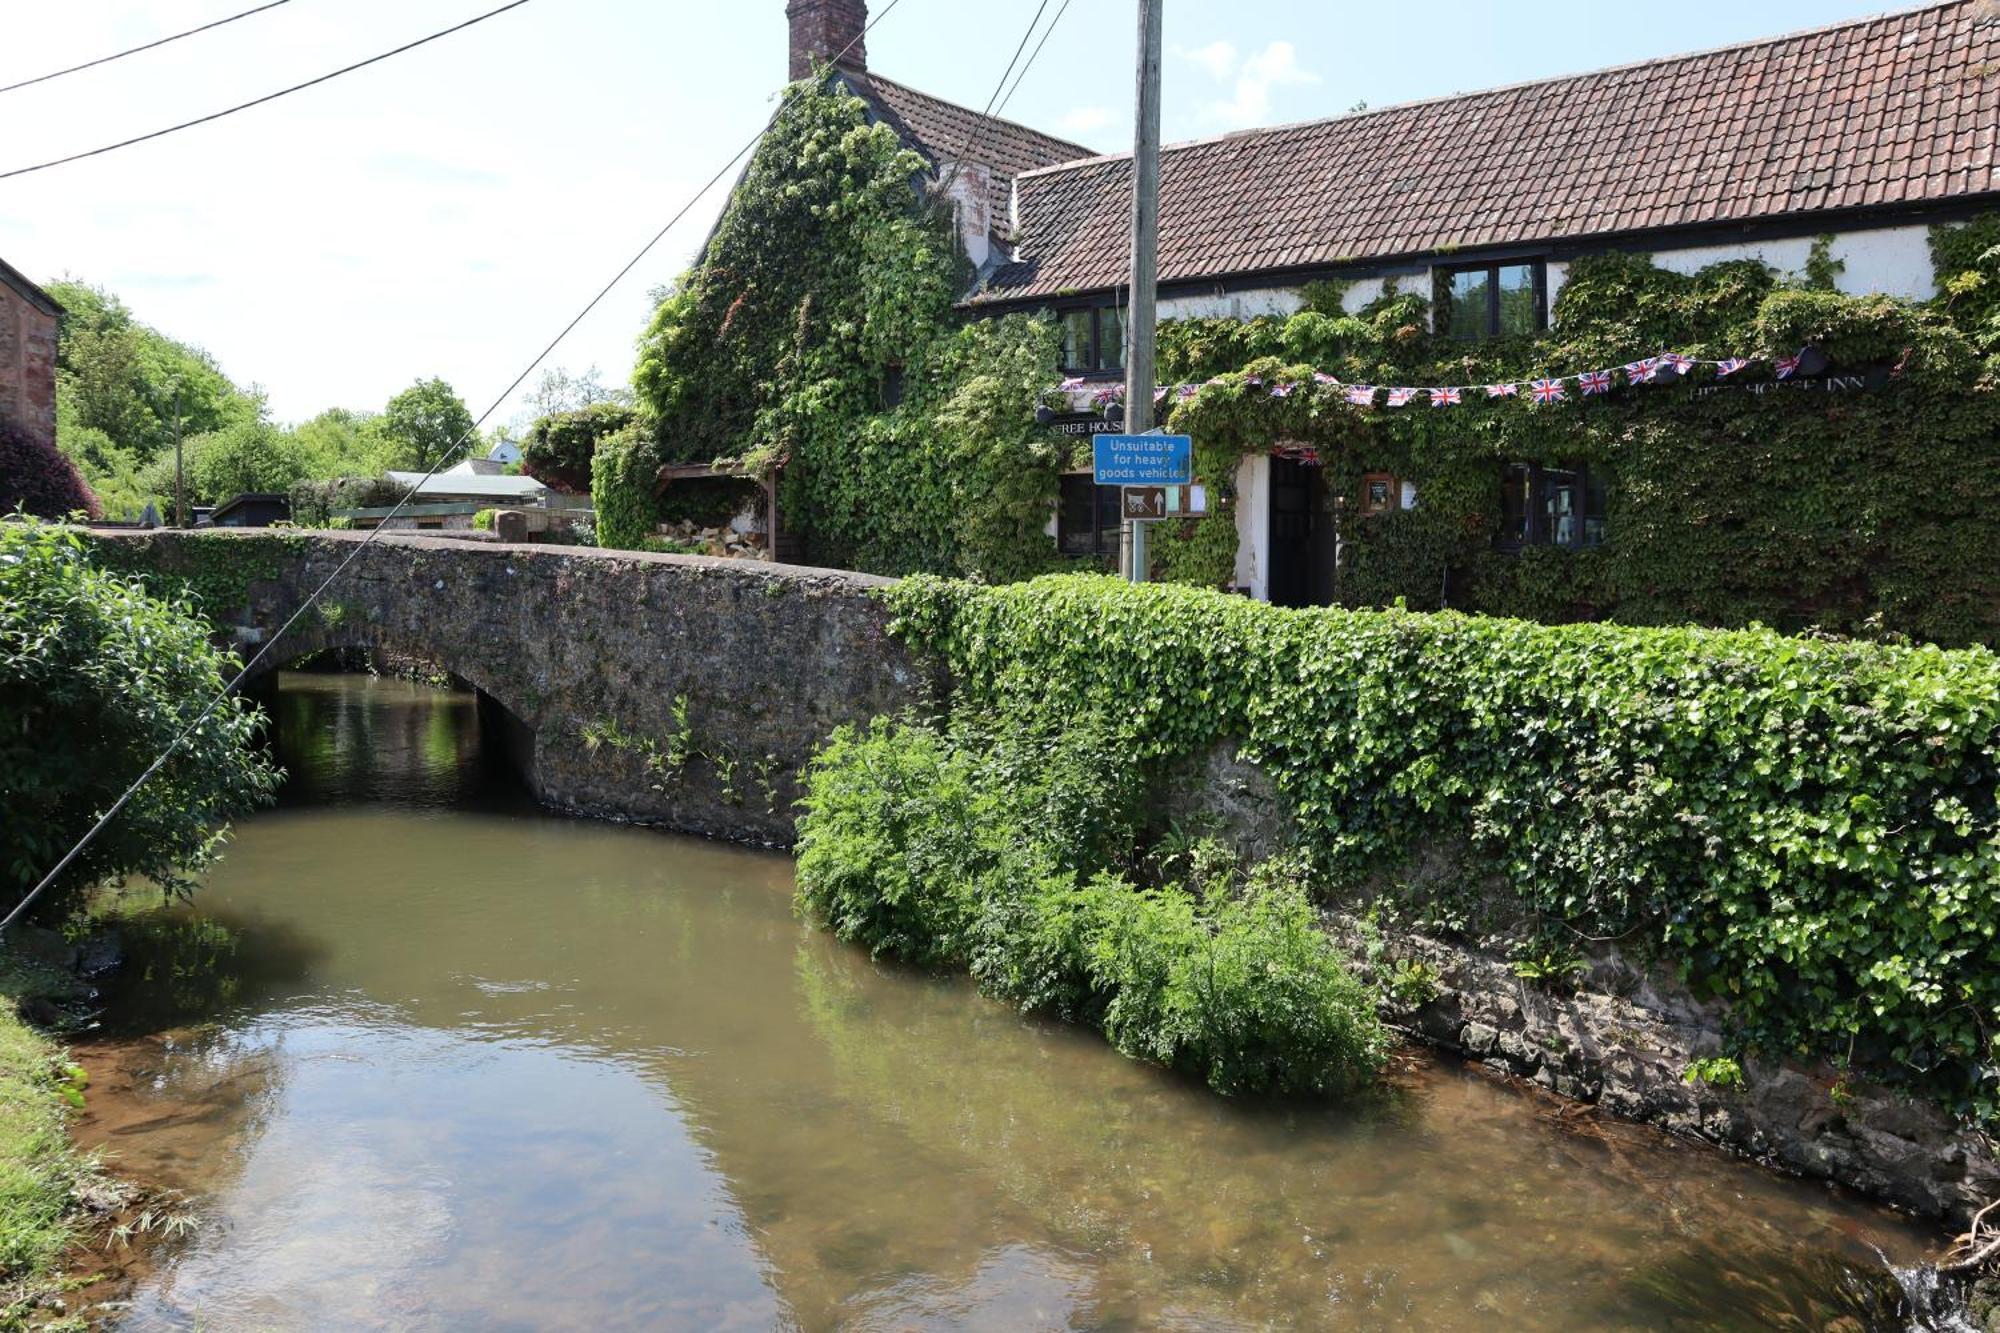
[[1144, 460]]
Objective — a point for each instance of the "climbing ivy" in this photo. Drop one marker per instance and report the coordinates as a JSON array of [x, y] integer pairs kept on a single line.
[[906, 438], [1729, 504], [1808, 827], [213, 572]]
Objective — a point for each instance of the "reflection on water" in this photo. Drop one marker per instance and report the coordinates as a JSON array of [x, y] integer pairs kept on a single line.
[[482, 1067]]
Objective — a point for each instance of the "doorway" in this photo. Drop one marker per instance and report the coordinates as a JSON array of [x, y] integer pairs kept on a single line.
[[1301, 572]]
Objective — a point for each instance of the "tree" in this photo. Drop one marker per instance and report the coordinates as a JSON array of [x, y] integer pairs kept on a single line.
[[39, 478], [426, 423], [560, 391], [251, 456], [97, 677]]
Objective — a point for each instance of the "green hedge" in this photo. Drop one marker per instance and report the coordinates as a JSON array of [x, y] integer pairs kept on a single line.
[[994, 853], [1808, 826]]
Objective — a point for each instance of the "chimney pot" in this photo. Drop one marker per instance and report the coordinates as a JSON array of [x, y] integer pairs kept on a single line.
[[822, 30]]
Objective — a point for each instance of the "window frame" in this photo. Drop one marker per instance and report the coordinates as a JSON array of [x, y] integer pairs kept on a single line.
[[1538, 267], [1100, 508], [1537, 536], [1096, 313]]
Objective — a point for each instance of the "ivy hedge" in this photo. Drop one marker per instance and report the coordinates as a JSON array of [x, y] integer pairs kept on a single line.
[[1728, 503], [1808, 826]]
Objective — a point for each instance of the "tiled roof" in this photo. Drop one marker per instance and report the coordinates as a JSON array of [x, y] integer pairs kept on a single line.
[[1898, 109], [942, 130]]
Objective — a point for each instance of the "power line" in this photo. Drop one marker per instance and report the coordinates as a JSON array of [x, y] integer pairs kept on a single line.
[[103, 821], [268, 97], [1036, 55], [973, 132], [135, 50]]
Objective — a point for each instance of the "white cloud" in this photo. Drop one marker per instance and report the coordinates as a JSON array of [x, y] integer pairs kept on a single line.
[[1084, 119], [1276, 66], [1218, 58]]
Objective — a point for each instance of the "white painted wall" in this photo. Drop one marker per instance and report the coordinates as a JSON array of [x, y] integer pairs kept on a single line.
[[1895, 260], [1253, 525], [1233, 305]]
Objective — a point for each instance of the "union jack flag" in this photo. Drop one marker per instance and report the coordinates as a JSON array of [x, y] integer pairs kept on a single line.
[[1787, 365], [1675, 362], [1503, 391], [1361, 395], [1188, 390], [1252, 381], [1642, 372], [1398, 397], [1110, 394], [1072, 385], [1444, 397], [1547, 391], [1321, 377], [1729, 365], [1594, 381], [1159, 394], [1281, 390]]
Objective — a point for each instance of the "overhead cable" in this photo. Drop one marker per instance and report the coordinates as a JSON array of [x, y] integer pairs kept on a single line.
[[268, 97], [135, 50]]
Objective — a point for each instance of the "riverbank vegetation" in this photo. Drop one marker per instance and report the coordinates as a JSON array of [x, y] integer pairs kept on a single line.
[[42, 1176], [1805, 827], [1008, 853], [97, 677]]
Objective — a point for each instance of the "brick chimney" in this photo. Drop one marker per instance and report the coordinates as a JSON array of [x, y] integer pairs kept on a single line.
[[822, 29]]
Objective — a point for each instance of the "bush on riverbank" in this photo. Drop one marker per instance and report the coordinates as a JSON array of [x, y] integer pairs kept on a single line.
[[97, 677], [996, 852], [1808, 827], [40, 1173]]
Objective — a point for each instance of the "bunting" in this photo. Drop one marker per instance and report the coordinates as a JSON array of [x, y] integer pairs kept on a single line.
[[1661, 368]]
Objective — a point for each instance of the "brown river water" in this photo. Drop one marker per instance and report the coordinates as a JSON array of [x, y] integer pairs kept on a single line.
[[466, 1064]]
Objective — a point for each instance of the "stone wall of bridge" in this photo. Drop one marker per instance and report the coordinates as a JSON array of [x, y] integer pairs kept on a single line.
[[679, 690]]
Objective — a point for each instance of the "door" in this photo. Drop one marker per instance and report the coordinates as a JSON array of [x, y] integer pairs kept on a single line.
[[1295, 520]]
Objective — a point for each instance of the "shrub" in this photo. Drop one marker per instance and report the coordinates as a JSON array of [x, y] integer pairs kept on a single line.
[[624, 486], [315, 503], [965, 851], [483, 520], [37, 477], [96, 679], [560, 446], [1809, 827]]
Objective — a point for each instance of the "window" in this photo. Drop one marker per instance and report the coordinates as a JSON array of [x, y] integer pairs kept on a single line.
[[1093, 340], [1492, 300], [1087, 517], [1552, 505], [892, 386]]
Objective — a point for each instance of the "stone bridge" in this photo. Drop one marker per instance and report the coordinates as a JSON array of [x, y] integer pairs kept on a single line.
[[586, 660]]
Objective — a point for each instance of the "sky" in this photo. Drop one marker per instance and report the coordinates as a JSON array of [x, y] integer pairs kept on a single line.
[[448, 211]]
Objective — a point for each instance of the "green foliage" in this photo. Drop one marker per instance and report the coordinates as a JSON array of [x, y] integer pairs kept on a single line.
[[38, 478], [247, 456], [426, 423], [1717, 1071], [40, 1172], [1966, 260], [559, 446], [991, 851], [1858, 512], [1808, 826], [483, 520], [316, 503], [96, 678], [759, 356], [624, 479]]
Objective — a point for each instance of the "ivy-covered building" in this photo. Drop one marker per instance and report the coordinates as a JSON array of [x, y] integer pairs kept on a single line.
[[1707, 338], [1827, 155]]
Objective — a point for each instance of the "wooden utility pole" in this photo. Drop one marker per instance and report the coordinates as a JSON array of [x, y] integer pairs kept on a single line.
[[1140, 320], [180, 482]]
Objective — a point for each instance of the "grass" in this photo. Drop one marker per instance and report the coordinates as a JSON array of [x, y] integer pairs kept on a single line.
[[41, 1173]]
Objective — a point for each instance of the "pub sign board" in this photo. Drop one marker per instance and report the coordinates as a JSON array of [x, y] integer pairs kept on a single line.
[[1143, 460]]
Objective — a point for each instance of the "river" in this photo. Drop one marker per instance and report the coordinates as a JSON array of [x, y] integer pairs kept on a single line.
[[463, 1063]]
